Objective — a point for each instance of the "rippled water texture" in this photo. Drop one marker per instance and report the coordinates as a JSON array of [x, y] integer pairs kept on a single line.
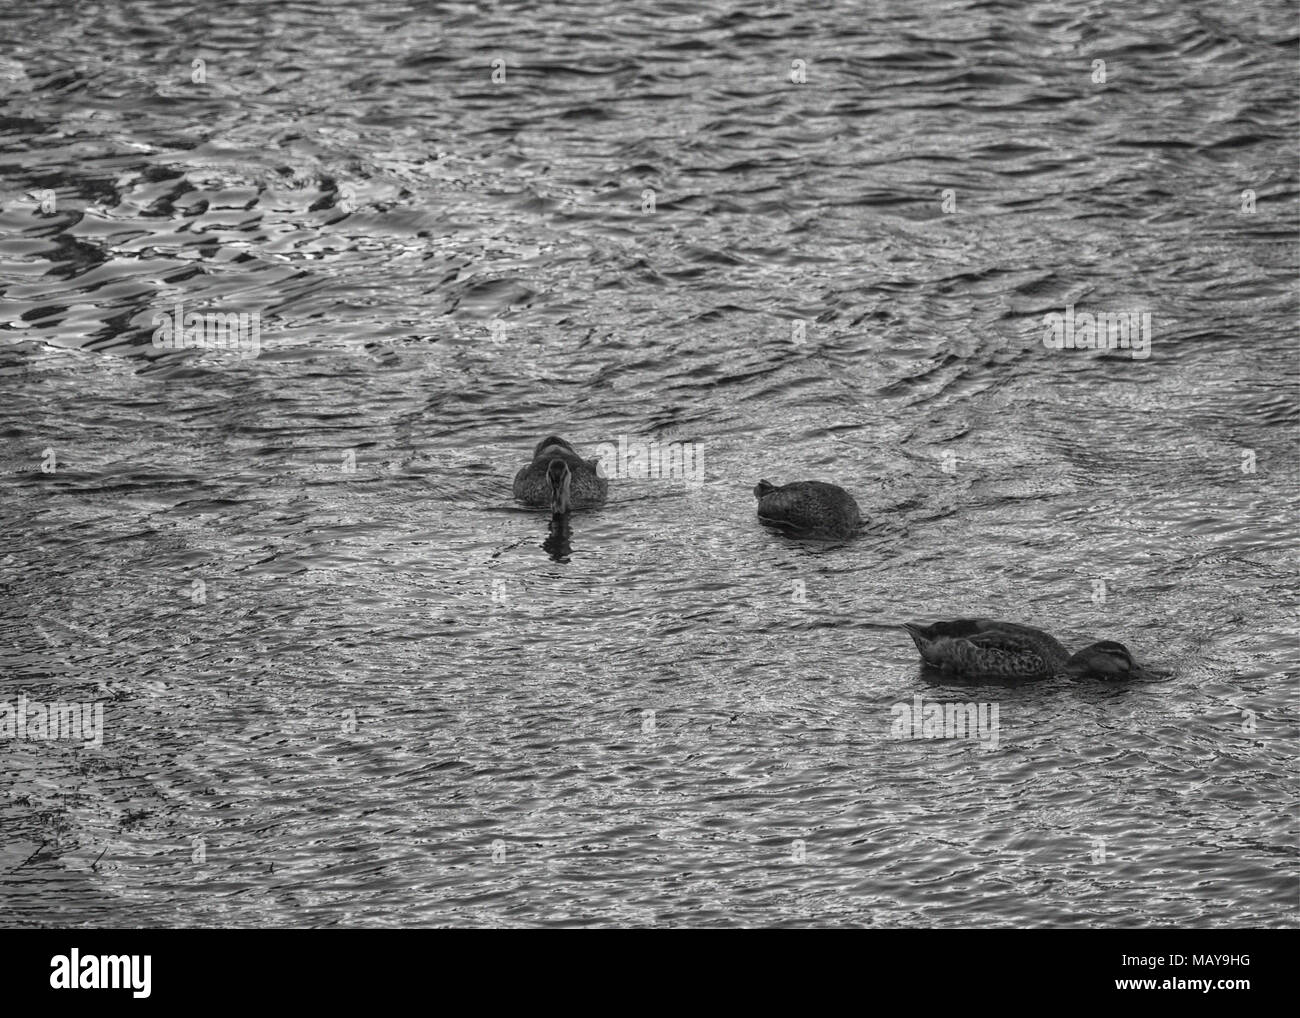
[[342, 681]]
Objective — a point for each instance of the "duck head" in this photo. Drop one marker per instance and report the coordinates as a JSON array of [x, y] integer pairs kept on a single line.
[[547, 443], [560, 479], [1106, 660]]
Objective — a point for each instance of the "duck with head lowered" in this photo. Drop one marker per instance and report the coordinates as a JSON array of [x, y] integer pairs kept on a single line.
[[983, 648], [808, 508], [559, 479]]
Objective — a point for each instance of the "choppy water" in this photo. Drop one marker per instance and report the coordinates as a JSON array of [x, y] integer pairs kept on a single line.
[[355, 176]]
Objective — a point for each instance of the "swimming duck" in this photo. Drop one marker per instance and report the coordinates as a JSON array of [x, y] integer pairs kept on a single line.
[[559, 479], [981, 648], [810, 506]]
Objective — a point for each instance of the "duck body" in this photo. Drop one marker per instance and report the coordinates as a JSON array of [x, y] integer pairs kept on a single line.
[[559, 479], [984, 648], [813, 507]]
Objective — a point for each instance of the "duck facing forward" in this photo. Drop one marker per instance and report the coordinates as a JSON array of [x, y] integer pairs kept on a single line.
[[981, 648], [559, 479], [813, 507]]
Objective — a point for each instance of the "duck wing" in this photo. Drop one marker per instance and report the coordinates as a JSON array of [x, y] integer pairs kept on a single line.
[[530, 485], [1005, 652], [1042, 643], [992, 627], [985, 647]]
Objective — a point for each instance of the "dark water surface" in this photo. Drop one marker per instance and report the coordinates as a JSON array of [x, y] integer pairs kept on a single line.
[[658, 730]]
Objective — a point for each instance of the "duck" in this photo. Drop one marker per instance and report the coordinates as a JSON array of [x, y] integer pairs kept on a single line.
[[559, 479], [813, 507], [983, 648]]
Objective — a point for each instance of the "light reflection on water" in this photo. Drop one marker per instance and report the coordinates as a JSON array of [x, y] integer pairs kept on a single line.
[[388, 672]]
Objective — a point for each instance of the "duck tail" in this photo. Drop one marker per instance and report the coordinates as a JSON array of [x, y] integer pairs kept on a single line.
[[919, 633]]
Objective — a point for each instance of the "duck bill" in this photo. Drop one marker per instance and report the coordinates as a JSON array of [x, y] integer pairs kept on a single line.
[[560, 496]]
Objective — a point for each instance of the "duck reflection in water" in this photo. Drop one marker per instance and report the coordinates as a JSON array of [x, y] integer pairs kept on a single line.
[[557, 540]]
